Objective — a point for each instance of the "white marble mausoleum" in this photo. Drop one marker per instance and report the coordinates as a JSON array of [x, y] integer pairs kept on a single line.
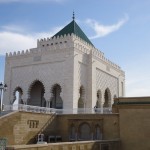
[[65, 71]]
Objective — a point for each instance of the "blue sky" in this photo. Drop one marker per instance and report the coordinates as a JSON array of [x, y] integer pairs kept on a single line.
[[120, 29]]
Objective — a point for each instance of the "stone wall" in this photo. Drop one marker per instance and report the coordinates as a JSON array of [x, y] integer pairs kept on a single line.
[[23, 127], [109, 124], [134, 120], [86, 145]]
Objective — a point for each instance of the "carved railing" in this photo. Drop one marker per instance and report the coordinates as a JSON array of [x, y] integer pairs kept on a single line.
[[37, 109]]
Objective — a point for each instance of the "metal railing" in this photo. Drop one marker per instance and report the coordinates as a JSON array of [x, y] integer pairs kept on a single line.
[[37, 109]]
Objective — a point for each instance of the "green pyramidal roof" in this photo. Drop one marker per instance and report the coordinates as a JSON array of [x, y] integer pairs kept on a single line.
[[73, 27]]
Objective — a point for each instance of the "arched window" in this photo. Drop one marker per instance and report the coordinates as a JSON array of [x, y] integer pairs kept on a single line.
[[81, 98], [107, 96], [56, 100], [18, 96], [36, 94], [84, 132]]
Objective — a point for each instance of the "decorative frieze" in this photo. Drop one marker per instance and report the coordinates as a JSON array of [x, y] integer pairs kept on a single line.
[[33, 123]]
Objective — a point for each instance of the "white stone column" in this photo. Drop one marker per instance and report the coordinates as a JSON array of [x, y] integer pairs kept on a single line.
[[76, 81], [91, 100], [47, 96]]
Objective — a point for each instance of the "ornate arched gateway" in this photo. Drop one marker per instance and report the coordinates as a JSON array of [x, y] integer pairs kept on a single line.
[[84, 132], [56, 100], [85, 129], [36, 94]]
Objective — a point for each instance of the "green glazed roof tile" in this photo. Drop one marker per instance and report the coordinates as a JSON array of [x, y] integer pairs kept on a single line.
[[73, 27]]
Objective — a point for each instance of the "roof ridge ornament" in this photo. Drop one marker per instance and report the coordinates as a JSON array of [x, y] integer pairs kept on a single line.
[[73, 17]]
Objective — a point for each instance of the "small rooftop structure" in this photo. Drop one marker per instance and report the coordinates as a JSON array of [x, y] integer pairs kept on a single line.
[[73, 27]]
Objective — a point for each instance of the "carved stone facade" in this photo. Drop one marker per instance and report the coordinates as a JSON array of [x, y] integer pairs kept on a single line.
[[85, 129], [63, 72]]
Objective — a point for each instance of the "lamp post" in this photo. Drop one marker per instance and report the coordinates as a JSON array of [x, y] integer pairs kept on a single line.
[[3, 87]]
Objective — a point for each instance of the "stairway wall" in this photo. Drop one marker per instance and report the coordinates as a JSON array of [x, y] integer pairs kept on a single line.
[[23, 127]]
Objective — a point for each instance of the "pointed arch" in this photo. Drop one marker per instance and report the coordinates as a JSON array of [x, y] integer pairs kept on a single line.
[[56, 100], [81, 98], [107, 98], [17, 95], [54, 86], [31, 85], [36, 94], [84, 131]]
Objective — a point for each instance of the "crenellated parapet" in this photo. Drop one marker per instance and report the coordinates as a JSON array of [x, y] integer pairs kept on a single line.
[[87, 48], [64, 42], [18, 53], [100, 55], [55, 43], [59, 42], [45, 45]]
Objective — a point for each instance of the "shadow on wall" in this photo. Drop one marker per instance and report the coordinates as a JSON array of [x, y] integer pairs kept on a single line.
[[46, 130]]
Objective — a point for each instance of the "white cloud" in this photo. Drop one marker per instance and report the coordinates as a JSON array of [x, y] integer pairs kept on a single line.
[[14, 41], [103, 30], [10, 42], [30, 1]]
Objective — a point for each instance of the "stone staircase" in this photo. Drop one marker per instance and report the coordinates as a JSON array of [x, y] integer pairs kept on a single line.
[[32, 135], [23, 127], [47, 123]]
